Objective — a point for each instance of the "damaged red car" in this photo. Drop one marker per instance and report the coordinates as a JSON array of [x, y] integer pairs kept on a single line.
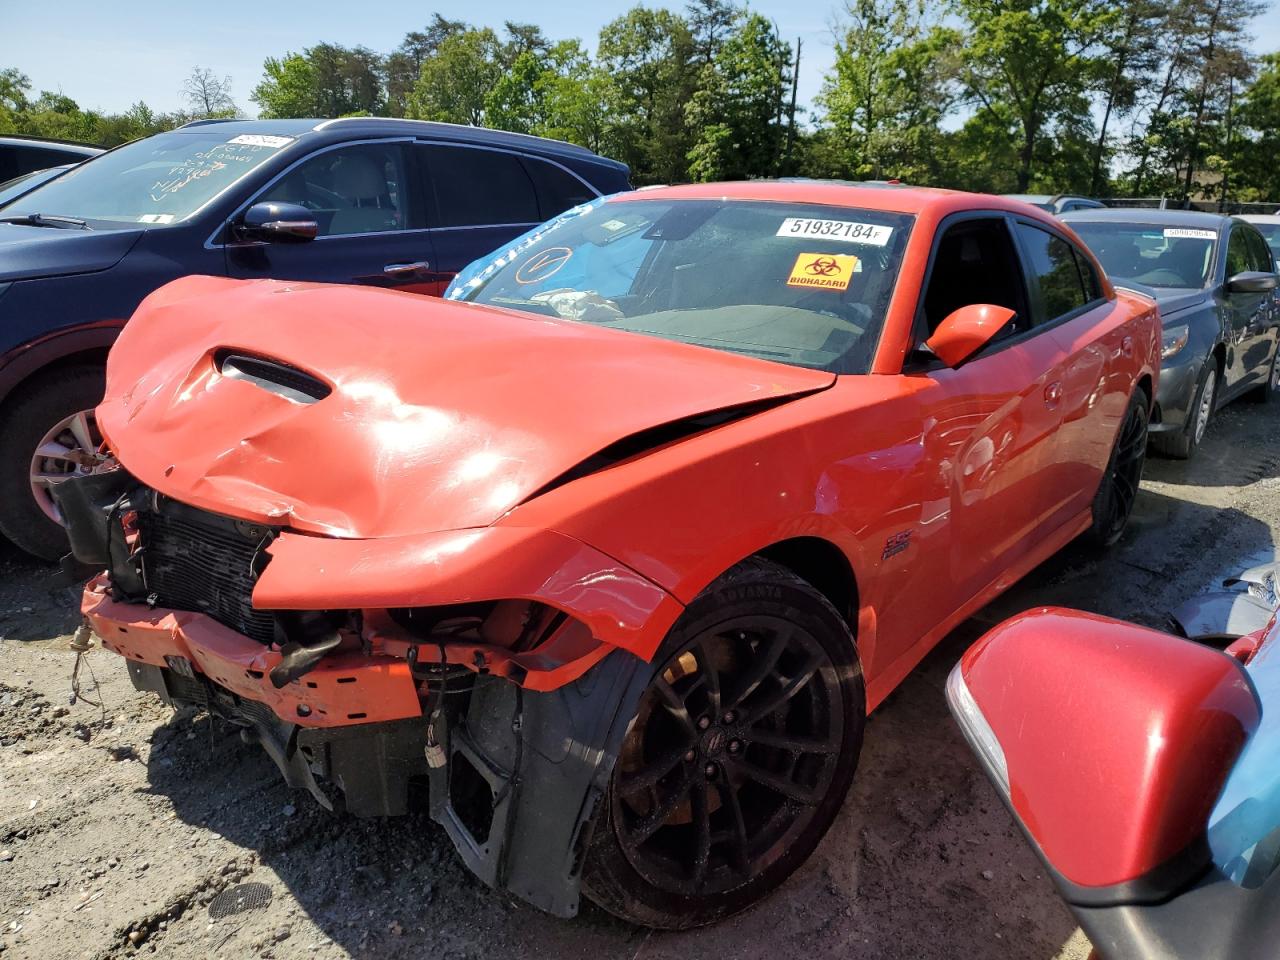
[[612, 554]]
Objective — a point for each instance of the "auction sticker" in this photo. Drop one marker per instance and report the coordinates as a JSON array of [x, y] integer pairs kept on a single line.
[[1174, 233], [847, 231], [825, 271], [261, 140]]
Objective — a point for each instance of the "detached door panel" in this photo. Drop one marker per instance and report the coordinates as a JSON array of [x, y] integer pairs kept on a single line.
[[370, 229]]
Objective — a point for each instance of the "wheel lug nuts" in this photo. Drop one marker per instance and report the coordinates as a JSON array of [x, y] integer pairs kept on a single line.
[[704, 722], [689, 757], [710, 770]]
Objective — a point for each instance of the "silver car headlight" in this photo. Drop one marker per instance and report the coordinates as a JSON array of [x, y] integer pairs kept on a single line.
[[1175, 338]]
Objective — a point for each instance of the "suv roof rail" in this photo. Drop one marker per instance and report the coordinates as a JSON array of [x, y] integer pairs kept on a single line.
[[204, 120], [499, 134]]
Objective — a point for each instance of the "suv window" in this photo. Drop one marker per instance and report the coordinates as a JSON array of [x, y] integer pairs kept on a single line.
[[477, 187], [557, 189], [976, 262], [352, 190], [1065, 278]]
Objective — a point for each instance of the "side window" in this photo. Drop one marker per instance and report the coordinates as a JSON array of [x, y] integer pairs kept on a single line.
[[557, 189], [352, 190], [478, 187], [1054, 265], [975, 262], [1092, 284], [1238, 255], [1259, 252]]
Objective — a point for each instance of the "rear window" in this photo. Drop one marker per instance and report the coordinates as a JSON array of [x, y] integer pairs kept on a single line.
[[478, 187], [557, 189]]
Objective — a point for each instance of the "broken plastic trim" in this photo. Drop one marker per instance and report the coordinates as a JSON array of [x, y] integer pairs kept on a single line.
[[646, 441], [272, 375]]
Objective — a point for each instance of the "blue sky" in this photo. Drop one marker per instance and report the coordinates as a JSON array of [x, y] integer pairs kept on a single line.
[[107, 55]]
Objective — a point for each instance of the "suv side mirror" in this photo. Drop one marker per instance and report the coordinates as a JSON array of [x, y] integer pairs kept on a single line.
[[964, 332], [1252, 281], [277, 222]]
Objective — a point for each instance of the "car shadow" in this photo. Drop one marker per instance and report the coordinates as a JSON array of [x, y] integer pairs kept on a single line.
[[1240, 446]]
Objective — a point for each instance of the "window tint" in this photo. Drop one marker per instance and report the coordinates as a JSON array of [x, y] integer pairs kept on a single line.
[[1259, 254], [1092, 284], [356, 189], [557, 189], [975, 263], [477, 187], [1239, 257], [1053, 262]]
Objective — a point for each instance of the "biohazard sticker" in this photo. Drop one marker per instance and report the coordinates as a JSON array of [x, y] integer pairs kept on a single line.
[[543, 264], [1175, 233], [825, 271]]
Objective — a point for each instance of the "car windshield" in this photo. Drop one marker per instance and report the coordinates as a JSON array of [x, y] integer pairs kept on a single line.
[[797, 283], [1272, 233], [1151, 254], [26, 181], [156, 181]]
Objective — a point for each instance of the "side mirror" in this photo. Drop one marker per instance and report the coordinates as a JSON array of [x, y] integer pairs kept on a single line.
[[1117, 794], [966, 331], [278, 222], [1252, 281]]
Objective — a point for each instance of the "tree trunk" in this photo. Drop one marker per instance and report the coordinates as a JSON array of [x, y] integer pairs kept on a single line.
[[1193, 148], [1122, 56]]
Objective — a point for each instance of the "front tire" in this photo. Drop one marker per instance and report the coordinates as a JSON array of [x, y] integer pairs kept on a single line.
[[47, 433], [1118, 491], [1269, 391], [1183, 444], [742, 750]]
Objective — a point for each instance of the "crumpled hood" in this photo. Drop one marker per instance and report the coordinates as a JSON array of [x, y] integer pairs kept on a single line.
[[30, 253], [441, 415]]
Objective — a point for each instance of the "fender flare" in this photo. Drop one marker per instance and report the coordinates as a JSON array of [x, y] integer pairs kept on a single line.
[[30, 358]]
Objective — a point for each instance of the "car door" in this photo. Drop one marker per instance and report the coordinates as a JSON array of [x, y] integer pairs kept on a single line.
[[369, 210], [989, 427], [482, 197], [1069, 305], [1250, 313]]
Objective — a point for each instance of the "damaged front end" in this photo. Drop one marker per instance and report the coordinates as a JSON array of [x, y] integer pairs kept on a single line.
[[509, 708]]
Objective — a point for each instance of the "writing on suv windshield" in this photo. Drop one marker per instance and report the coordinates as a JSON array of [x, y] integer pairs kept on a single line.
[[156, 181], [1158, 256], [797, 283]]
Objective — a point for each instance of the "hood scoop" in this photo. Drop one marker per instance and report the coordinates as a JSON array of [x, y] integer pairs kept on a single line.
[[272, 375]]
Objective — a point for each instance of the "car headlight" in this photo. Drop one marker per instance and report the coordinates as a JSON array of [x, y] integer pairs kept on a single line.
[[1174, 340]]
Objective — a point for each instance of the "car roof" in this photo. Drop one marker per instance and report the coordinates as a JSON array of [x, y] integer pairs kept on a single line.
[[1165, 218], [384, 126], [894, 198], [1259, 217], [68, 146]]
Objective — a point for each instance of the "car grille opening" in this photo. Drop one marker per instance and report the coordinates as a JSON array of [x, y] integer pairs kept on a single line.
[[205, 563]]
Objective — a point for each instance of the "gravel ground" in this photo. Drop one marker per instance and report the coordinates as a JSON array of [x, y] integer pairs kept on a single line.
[[121, 826]]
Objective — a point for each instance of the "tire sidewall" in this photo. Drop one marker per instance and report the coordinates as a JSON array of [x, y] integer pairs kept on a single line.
[[1102, 536], [609, 877]]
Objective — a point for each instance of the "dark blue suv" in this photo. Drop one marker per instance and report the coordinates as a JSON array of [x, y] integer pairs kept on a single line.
[[396, 203]]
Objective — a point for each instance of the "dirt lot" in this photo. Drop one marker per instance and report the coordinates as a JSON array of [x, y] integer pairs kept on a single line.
[[120, 826]]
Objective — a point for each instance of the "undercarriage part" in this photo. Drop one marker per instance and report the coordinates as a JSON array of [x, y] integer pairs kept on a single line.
[[299, 659], [526, 772], [373, 764]]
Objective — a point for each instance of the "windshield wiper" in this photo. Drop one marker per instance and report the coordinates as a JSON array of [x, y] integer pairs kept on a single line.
[[47, 220]]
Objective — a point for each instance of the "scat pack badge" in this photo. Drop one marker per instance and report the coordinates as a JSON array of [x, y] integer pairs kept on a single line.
[[896, 544], [826, 271]]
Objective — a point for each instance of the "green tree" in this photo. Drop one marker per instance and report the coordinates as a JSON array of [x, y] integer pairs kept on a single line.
[[456, 81], [403, 65], [1258, 118], [1029, 64], [736, 115], [647, 56], [287, 88]]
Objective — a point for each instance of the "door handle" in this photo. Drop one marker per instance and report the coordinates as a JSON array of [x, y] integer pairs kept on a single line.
[[1053, 393], [405, 269]]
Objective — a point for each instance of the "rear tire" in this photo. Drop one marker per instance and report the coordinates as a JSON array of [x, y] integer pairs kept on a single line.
[[743, 748], [1183, 444], [1118, 491], [26, 516]]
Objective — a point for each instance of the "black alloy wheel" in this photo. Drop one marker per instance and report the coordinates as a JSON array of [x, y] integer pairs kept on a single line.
[[741, 752], [1118, 492]]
